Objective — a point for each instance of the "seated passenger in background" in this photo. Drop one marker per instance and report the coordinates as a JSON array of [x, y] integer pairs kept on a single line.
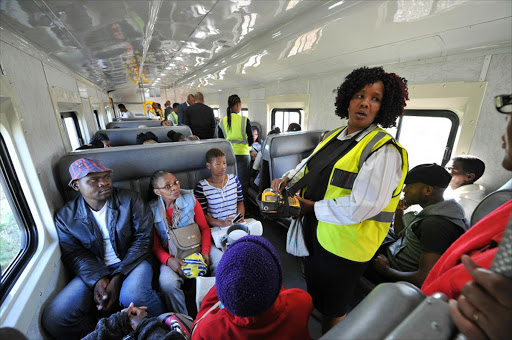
[[192, 137], [421, 237], [293, 127], [465, 171], [165, 123], [146, 138], [256, 144], [254, 303], [176, 136], [181, 209], [105, 238], [124, 112], [220, 195], [101, 137]]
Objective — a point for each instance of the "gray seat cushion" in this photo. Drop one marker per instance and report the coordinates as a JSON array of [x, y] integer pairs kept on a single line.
[[128, 136], [133, 165]]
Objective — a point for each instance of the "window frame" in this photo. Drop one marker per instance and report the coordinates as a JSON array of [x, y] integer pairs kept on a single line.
[[74, 116], [96, 115], [24, 219], [273, 115], [452, 116]]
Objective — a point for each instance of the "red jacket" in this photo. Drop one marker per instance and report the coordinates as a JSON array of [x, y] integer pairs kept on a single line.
[[449, 275], [286, 319]]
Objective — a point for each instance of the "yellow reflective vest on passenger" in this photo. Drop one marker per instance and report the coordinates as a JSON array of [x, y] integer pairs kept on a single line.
[[358, 242], [237, 134]]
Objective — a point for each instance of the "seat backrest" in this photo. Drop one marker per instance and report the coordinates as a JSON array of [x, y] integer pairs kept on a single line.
[[140, 118], [133, 165], [133, 124], [286, 150], [491, 202], [120, 137]]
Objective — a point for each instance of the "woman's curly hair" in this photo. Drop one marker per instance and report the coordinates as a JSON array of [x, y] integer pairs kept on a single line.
[[393, 102]]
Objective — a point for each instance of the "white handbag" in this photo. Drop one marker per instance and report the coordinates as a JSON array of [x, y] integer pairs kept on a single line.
[[295, 244]]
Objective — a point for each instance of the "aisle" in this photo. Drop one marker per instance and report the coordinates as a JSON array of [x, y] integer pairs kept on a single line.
[[276, 234]]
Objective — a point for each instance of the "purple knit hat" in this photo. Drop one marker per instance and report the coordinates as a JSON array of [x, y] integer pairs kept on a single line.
[[249, 276]]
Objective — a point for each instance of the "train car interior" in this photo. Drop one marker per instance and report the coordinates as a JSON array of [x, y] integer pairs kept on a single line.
[[67, 65]]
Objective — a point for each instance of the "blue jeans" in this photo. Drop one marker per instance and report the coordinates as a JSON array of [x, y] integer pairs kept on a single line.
[[71, 314]]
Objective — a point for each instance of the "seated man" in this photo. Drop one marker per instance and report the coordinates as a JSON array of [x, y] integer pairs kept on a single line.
[[106, 238], [465, 171], [254, 303], [422, 237], [101, 137]]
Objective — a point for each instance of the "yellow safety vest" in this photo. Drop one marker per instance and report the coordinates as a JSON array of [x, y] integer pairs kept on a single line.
[[358, 242], [236, 135]]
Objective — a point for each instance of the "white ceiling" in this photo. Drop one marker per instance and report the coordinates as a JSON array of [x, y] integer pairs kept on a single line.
[[230, 43]]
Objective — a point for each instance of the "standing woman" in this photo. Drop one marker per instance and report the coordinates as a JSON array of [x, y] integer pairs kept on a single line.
[[237, 129], [348, 206]]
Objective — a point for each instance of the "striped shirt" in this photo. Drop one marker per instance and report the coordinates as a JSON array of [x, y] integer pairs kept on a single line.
[[219, 203]]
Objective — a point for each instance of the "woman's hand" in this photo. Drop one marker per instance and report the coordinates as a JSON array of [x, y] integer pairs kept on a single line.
[[227, 222], [175, 264], [484, 309], [305, 205], [279, 184], [206, 258]]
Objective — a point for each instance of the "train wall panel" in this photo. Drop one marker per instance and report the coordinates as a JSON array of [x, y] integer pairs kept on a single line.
[[39, 122], [491, 124]]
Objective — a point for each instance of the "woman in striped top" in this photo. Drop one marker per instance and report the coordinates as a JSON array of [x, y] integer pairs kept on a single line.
[[220, 195]]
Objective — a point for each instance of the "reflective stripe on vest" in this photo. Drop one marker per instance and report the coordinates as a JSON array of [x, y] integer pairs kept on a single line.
[[236, 135], [358, 242]]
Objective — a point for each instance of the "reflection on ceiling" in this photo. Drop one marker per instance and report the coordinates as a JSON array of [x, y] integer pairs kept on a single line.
[[124, 44]]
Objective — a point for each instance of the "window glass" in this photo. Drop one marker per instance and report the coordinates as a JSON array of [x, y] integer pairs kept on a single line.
[[428, 136], [72, 128], [10, 237], [216, 112], [244, 112], [18, 234], [97, 120], [283, 117]]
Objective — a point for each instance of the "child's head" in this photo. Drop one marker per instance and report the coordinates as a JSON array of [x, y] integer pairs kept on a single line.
[[216, 161], [249, 276]]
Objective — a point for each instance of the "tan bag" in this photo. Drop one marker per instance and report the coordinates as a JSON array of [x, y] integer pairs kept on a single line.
[[182, 241], [187, 240]]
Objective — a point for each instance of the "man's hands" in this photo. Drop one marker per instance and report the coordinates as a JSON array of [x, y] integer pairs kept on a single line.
[[484, 309], [175, 264], [106, 292], [135, 314]]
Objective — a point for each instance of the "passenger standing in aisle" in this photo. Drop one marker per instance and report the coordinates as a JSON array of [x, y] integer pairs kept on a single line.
[[181, 108], [199, 117], [349, 204], [237, 130]]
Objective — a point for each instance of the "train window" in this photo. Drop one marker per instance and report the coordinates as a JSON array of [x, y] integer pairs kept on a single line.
[[18, 233], [70, 122], [97, 120], [427, 135], [244, 112], [283, 117], [216, 112]]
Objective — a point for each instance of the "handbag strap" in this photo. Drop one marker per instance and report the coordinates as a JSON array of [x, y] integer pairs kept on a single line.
[[205, 314], [314, 172]]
